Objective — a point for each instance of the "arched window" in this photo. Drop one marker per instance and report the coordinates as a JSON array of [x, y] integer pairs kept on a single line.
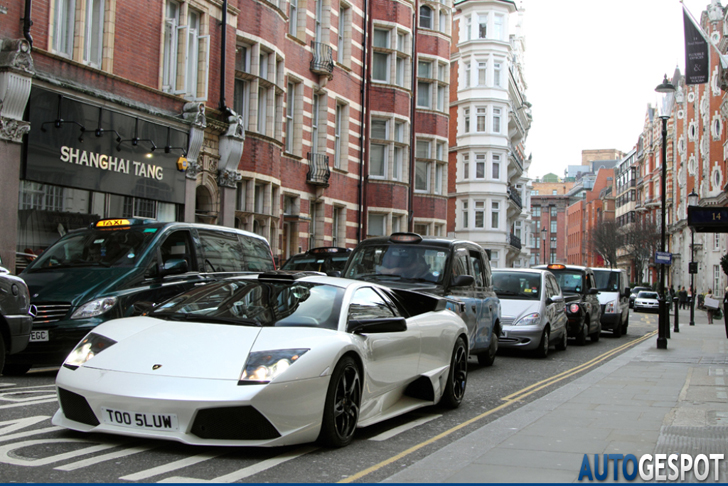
[[425, 17]]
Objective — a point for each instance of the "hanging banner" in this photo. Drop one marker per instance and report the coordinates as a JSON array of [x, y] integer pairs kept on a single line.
[[696, 52]]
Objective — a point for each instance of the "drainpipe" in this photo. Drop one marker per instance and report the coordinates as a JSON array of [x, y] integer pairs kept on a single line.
[[223, 55], [413, 135], [27, 23], [364, 125]]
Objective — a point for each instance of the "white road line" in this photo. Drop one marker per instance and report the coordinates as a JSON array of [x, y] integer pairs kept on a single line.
[[172, 466], [105, 457], [20, 435], [29, 387], [8, 457], [246, 471], [25, 404], [403, 428]]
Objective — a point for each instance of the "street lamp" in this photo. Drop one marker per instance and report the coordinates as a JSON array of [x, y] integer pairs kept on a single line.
[[692, 201], [543, 234], [666, 92]]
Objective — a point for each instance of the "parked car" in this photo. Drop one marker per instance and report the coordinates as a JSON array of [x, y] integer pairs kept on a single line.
[[580, 295], [614, 299], [275, 359], [633, 294], [647, 301], [101, 272], [533, 313], [16, 315], [326, 259], [441, 266]]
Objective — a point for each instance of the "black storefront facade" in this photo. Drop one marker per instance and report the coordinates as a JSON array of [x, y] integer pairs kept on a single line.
[[85, 159]]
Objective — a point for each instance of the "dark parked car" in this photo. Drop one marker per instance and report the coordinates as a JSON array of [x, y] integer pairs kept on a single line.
[[633, 294], [445, 267], [16, 317], [580, 295], [326, 259], [108, 269]]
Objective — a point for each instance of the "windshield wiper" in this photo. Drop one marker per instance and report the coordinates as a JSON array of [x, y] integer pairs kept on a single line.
[[74, 264], [182, 316], [379, 275]]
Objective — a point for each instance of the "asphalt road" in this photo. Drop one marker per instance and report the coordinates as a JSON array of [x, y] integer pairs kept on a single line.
[[33, 450]]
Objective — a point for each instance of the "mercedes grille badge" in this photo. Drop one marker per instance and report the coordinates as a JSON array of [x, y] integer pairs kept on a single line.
[[156, 367]]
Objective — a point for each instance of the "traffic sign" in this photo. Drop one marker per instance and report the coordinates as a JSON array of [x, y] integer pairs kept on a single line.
[[663, 257]]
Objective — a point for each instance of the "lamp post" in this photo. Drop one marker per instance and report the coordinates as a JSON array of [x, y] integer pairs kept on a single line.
[[692, 201], [543, 237], [666, 92]]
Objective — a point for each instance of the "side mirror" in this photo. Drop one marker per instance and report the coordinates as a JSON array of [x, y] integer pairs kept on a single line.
[[593, 291], [371, 326], [627, 292], [549, 301], [462, 281], [174, 266]]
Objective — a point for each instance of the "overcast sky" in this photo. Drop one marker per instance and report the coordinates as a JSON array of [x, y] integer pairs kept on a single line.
[[592, 68]]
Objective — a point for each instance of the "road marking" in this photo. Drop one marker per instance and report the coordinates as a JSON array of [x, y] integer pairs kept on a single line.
[[172, 466], [514, 397], [105, 457], [8, 456], [405, 427], [29, 433], [25, 404], [246, 471]]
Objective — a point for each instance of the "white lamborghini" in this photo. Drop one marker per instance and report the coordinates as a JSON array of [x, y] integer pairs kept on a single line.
[[267, 360]]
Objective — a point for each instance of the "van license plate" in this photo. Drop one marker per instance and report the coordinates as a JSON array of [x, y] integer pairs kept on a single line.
[[140, 420], [37, 336]]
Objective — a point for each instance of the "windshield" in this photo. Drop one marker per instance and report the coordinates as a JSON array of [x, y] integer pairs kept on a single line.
[[517, 285], [118, 247], [398, 262], [607, 280], [647, 295], [264, 303], [569, 281]]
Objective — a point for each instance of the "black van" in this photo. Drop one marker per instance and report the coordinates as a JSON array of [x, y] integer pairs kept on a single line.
[[327, 259], [99, 273]]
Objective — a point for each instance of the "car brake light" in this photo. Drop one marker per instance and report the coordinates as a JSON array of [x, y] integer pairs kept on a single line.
[[574, 307]]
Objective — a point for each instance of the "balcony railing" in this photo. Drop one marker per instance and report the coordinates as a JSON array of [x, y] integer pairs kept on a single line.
[[517, 157], [318, 170], [323, 60], [514, 241], [513, 195]]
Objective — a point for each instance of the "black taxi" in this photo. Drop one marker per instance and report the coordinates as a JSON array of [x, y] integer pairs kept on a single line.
[[580, 297], [101, 272], [330, 260], [458, 269]]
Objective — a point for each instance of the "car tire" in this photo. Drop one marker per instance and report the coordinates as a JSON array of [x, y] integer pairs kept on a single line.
[[341, 408], [457, 378], [488, 358], [625, 326], [2, 352], [543, 346], [581, 336], [617, 331], [11, 369], [561, 345]]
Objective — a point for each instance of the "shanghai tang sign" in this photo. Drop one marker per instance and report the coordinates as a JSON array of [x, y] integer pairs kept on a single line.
[[60, 152]]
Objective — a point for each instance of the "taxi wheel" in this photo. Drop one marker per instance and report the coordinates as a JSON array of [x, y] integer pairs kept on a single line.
[[543, 347], [561, 345], [581, 337], [458, 377], [617, 332], [487, 358], [11, 369], [2, 352], [341, 409]]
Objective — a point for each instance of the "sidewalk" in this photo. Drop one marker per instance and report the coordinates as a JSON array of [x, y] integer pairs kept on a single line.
[[645, 401]]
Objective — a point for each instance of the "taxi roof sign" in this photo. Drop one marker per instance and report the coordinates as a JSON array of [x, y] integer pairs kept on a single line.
[[106, 223], [405, 237]]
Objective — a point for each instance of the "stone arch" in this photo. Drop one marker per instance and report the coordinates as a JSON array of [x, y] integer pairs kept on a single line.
[[207, 200]]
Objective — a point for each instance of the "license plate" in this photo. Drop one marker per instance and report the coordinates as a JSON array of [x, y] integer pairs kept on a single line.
[[140, 420], [36, 336]]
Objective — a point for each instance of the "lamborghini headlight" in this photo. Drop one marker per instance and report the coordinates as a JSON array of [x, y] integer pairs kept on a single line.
[[94, 308], [264, 366], [91, 345], [529, 320]]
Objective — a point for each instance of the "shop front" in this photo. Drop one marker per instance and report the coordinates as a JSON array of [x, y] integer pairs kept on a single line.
[[85, 159]]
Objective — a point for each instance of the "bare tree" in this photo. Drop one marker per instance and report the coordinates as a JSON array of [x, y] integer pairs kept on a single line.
[[605, 239], [641, 240]]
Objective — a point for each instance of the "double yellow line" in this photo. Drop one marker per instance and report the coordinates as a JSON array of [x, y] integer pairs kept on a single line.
[[508, 400]]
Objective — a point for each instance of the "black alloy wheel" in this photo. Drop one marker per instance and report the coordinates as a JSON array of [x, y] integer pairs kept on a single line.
[[457, 378], [341, 410]]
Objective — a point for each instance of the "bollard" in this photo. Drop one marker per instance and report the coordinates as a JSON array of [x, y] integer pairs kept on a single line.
[[677, 315]]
